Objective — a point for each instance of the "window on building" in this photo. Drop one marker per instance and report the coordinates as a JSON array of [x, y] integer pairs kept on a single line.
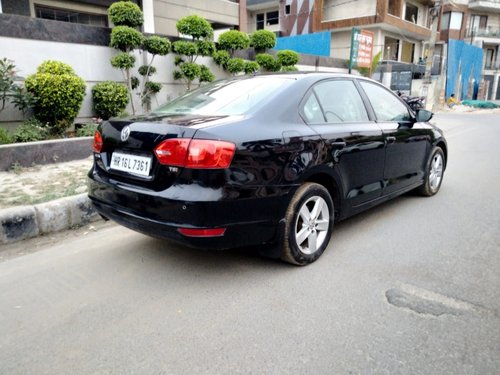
[[451, 20], [478, 23], [273, 18], [411, 13], [287, 9], [489, 61], [260, 21], [391, 48], [67, 15]]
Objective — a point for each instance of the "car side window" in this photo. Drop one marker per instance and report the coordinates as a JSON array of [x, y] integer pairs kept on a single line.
[[312, 110], [386, 106], [341, 101]]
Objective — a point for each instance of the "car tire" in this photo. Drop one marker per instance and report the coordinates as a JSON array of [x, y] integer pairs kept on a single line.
[[308, 224], [434, 172]]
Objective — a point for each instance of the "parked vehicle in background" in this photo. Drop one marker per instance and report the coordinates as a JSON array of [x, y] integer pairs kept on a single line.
[[266, 159], [414, 102]]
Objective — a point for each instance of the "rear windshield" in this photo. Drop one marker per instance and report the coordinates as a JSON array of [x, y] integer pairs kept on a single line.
[[227, 97]]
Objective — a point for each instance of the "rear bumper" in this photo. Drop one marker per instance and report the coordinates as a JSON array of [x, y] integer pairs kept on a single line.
[[248, 221]]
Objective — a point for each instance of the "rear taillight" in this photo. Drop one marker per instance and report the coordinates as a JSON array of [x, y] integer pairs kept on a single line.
[[195, 153], [205, 232], [97, 147]]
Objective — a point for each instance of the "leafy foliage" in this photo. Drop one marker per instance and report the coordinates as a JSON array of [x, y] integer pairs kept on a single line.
[[156, 45], [195, 26], [125, 13], [268, 62], [190, 71], [233, 40], [87, 130], [146, 70], [30, 131], [185, 48], [123, 61], [126, 38], [206, 75], [235, 65], [153, 87], [221, 58], [365, 71], [59, 96], [262, 40], [251, 67], [205, 47], [12, 92], [287, 57], [5, 137], [109, 99]]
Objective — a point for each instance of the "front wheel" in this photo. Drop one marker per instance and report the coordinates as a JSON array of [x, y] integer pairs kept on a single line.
[[309, 224], [434, 173]]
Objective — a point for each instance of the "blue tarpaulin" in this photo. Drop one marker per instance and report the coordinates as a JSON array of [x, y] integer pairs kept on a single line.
[[311, 44], [464, 66]]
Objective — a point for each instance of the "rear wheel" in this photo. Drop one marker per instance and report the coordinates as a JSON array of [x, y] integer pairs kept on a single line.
[[309, 224], [434, 173]]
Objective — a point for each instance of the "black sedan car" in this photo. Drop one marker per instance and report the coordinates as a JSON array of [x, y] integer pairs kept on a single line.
[[262, 160]]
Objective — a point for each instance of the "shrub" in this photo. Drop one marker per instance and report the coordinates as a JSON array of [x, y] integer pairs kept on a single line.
[[5, 137], [185, 48], [235, 65], [287, 57], [125, 38], [251, 67], [59, 96], [262, 39], [87, 130], [125, 13], [157, 45], [12, 92], [109, 99], [146, 70], [221, 58], [289, 69], [190, 70], [195, 26], [206, 75], [205, 48], [123, 61], [233, 39], [268, 62], [153, 87], [30, 131]]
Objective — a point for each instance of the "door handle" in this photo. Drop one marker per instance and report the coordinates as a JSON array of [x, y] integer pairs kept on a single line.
[[390, 140], [338, 145]]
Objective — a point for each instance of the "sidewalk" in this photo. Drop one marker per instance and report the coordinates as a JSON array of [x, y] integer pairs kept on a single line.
[[43, 199]]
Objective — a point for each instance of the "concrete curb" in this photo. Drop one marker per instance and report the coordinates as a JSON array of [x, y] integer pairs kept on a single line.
[[19, 223]]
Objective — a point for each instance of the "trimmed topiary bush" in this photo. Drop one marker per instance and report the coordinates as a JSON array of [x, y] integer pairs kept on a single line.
[[262, 40], [195, 26], [287, 57], [235, 65], [59, 94], [126, 38], [125, 13], [206, 74], [232, 40], [251, 67], [221, 58], [109, 99], [156, 45], [268, 62]]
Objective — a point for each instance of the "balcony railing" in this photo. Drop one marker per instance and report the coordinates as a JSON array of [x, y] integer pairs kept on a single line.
[[485, 5], [489, 32]]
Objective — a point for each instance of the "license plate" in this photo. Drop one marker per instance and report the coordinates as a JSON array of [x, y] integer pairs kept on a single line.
[[138, 165]]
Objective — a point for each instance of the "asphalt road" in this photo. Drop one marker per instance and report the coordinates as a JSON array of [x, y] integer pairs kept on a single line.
[[410, 287]]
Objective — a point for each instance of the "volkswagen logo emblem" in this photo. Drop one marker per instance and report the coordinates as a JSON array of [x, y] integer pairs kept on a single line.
[[125, 133]]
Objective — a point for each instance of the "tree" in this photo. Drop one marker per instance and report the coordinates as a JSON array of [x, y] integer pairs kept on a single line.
[[233, 40], [189, 51], [127, 17], [262, 40]]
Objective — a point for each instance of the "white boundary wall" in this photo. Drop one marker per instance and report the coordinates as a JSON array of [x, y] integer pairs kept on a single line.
[[92, 63]]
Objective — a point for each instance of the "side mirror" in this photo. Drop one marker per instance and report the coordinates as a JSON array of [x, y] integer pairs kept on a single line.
[[424, 115]]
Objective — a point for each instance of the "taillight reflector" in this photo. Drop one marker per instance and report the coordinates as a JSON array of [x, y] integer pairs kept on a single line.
[[98, 143], [195, 153], [206, 232]]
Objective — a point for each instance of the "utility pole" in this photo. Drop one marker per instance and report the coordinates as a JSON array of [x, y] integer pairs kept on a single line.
[[434, 13]]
